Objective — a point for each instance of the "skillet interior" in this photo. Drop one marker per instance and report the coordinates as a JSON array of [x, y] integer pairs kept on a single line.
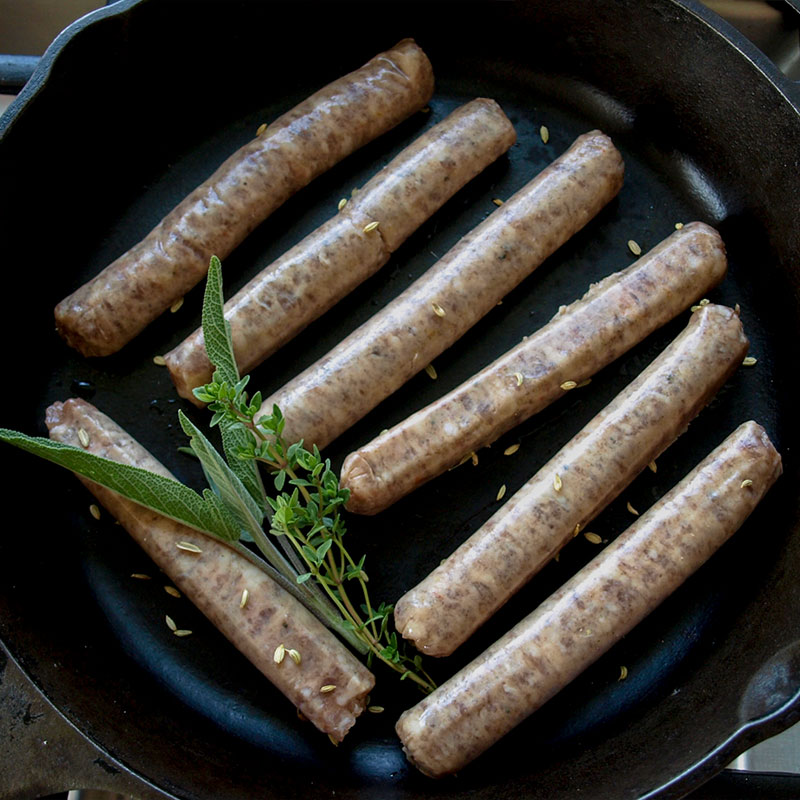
[[114, 139]]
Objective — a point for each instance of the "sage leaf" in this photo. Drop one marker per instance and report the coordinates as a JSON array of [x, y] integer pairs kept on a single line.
[[216, 329], [156, 492], [219, 347]]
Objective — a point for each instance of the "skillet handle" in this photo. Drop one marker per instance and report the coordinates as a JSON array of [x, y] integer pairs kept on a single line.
[[15, 72], [41, 753], [774, 28]]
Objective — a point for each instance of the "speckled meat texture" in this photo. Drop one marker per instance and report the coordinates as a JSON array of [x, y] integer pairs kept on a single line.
[[581, 339], [463, 286], [215, 579], [462, 593], [116, 305], [593, 610], [330, 262]]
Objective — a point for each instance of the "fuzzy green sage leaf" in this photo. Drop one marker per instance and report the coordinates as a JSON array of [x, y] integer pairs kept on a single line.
[[157, 492]]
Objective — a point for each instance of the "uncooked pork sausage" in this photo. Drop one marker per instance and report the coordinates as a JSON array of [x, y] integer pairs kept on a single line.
[[594, 609], [108, 311], [215, 578]]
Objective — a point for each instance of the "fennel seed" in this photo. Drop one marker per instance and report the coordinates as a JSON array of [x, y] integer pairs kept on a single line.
[[83, 438], [501, 492], [520, 378], [140, 576], [172, 591], [295, 656], [182, 632], [592, 537], [749, 361], [745, 483], [632, 509], [171, 623], [342, 203], [634, 247], [704, 302], [188, 547], [623, 673], [510, 450], [431, 370], [94, 510], [545, 134], [497, 201], [678, 226], [438, 310], [327, 688], [567, 385], [176, 306], [371, 226], [474, 456], [652, 466], [245, 595], [159, 361], [375, 709], [280, 652], [577, 530], [261, 128], [557, 483]]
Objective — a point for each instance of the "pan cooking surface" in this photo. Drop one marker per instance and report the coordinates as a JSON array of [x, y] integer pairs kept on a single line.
[[210, 695]]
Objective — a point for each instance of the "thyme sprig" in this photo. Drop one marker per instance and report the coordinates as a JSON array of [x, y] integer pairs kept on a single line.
[[306, 512]]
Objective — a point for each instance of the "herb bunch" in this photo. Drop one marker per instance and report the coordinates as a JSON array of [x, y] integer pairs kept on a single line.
[[305, 512], [304, 516]]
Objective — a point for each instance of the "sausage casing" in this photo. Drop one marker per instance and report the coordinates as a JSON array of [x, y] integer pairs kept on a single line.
[[215, 579], [464, 285], [335, 258], [594, 609], [107, 312], [440, 613], [612, 316]]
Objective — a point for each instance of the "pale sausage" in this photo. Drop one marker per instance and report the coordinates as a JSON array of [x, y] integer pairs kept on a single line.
[[108, 311], [594, 609], [214, 580]]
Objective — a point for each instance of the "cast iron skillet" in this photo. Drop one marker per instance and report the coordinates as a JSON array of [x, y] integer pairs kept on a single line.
[[131, 111]]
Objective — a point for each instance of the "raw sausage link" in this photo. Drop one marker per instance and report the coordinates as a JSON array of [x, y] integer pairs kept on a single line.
[[108, 311], [215, 579], [463, 286], [612, 316], [330, 262], [443, 611], [593, 610]]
